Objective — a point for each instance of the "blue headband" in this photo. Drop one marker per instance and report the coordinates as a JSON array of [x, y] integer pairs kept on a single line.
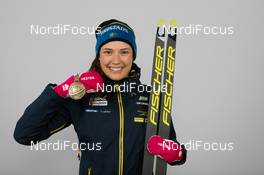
[[116, 32]]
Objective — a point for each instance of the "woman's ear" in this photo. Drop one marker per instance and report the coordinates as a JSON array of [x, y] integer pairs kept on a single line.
[[98, 58]]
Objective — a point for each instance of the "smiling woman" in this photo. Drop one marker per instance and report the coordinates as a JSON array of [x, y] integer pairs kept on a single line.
[[115, 50], [116, 119], [116, 59]]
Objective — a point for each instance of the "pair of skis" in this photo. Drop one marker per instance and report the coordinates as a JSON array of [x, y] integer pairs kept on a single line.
[[160, 103]]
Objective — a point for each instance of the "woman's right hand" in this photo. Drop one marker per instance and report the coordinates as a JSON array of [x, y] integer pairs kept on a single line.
[[90, 80]]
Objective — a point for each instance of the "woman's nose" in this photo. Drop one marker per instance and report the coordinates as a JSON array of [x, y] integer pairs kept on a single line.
[[116, 58]]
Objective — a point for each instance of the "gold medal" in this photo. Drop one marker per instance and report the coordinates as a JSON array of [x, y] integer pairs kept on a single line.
[[77, 89]]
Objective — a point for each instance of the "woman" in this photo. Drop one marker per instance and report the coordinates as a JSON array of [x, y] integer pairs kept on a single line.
[[114, 121]]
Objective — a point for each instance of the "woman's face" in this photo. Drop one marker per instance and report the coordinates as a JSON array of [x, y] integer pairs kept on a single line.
[[116, 58]]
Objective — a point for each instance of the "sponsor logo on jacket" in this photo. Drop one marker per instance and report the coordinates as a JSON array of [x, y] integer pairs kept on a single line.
[[98, 101]]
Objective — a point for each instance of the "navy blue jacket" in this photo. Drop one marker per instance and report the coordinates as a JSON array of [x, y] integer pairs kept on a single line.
[[110, 125]]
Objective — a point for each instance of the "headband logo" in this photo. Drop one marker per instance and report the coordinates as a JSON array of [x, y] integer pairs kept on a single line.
[[115, 27], [113, 34]]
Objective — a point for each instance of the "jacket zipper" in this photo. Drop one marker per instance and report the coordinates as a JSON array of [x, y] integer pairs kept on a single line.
[[121, 131], [89, 171]]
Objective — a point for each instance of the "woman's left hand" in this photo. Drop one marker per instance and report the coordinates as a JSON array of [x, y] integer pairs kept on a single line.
[[165, 149]]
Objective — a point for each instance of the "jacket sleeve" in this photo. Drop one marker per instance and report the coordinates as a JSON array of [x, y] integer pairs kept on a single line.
[[174, 138], [47, 115]]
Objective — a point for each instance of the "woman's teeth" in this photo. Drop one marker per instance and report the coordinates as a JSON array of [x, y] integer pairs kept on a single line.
[[115, 68]]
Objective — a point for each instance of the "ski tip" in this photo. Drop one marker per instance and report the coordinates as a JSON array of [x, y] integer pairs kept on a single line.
[[160, 23], [173, 23]]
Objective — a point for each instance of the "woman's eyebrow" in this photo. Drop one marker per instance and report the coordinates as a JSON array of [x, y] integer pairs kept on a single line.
[[124, 49], [107, 49]]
